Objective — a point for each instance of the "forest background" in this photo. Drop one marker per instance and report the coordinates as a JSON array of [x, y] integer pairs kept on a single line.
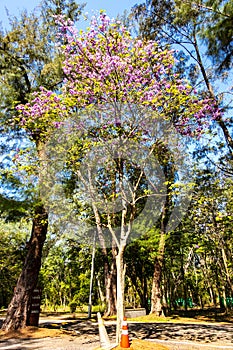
[[186, 266]]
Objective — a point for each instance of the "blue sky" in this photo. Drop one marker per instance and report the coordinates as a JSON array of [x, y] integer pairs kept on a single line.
[[113, 8]]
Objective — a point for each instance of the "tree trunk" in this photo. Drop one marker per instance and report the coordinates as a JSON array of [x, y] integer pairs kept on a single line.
[[110, 283], [108, 270], [113, 289], [18, 309], [120, 291], [156, 294], [166, 160], [227, 273], [101, 292]]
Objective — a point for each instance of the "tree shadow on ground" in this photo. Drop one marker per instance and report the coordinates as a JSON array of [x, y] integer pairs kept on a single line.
[[177, 331], [208, 314], [198, 332]]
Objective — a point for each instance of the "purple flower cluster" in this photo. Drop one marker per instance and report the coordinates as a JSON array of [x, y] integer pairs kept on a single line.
[[42, 110], [105, 65]]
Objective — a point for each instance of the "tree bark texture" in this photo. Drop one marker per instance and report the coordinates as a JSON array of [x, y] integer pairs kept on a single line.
[[18, 309], [110, 284], [156, 293]]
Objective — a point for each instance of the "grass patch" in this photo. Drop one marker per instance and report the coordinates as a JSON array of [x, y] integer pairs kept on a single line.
[[190, 316]]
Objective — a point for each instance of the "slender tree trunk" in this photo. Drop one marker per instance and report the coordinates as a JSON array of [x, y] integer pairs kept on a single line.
[[184, 281], [109, 270], [112, 290], [101, 292], [208, 281], [120, 290], [227, 273], [18, 309], [145, 295]]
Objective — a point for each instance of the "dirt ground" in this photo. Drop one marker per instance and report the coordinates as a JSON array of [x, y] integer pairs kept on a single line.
[[36, 338], [64, 332]]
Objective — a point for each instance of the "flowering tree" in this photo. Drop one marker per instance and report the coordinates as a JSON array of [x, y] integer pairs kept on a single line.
[[118, 90]]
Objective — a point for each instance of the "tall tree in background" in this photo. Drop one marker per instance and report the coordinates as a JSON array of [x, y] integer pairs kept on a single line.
[[189, 25], [218, 32], [29, 60], [194, 27]]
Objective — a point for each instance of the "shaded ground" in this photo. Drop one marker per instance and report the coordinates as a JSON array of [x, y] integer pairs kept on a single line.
[[208, 315], [64, 332]]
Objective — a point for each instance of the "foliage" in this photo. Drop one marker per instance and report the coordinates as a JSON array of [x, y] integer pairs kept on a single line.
[[12, 253], [210, 19], [65, 275], [28, 60]]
